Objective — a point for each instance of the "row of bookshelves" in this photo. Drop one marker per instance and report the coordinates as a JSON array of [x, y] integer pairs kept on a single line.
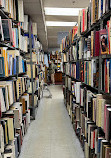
[[87, 89], [89, 112], [14, 115], [22, 74]]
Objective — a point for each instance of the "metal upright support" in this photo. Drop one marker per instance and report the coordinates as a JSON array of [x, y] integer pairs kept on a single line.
[[31, 64], [100, 64]]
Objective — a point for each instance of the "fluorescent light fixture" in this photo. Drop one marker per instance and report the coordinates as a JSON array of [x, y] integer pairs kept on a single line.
[[62, 11], [58, 23]]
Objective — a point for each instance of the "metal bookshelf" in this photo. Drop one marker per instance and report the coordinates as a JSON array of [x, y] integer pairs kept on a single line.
[[100, 58], [5, 15], [98, 25]]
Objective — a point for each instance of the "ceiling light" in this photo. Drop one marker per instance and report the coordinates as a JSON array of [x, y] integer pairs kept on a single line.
[[58, 23], [62, 11]]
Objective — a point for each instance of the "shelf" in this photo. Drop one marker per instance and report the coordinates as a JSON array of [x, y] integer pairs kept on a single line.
[[88, 32], [97, 24], [8, 77], [96, 89], [6, 44], [20, 74], [105, 56], [103, 92], [88, 86], [89, 59], [86, 59]]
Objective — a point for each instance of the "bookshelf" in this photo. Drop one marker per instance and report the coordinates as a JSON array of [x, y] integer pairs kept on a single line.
[[86, 88], [19, 93], [57, 59]]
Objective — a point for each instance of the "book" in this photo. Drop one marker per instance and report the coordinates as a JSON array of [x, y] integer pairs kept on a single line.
[[1, 30], [107, 152], [25, 27], [20, 11], [7, 29], [2, 67], [1, 139], [103, 42], [97, 44]]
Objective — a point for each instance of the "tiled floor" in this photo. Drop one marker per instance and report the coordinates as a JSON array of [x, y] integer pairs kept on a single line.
[[51, 135]]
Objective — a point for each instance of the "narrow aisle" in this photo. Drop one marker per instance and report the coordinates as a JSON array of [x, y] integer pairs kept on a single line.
[[51, 135]]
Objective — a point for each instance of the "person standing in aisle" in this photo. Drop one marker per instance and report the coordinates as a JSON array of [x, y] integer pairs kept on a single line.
[[52, 68]]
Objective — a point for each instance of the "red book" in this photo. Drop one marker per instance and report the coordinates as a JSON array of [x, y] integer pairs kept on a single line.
[[108, 29], [105, 75], [83, 20], [13, 35], [94, 139], [97, 44], [103, 41]]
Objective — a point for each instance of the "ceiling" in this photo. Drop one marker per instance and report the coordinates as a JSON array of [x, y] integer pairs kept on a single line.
[[66, 3], [52, 32], [49, 35]]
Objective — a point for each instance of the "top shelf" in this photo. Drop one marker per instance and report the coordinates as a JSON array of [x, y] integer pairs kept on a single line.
[[5, 15], [103, 18], [97, 24]]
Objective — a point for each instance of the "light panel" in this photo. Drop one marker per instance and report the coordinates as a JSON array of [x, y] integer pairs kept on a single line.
[[58, 23], [62, 11]]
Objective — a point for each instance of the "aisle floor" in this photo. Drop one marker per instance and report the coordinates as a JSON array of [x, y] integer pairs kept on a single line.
[[51, 135]]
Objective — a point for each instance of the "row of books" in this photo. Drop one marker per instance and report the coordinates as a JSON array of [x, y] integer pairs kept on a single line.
[[89, 72], [106, 76], [13, 34], [14, 115], [91, 14], [13, 127], [11, 91], [90, 114], [25, 25], [68, 40], [14, 8], [72, 70], [35, 70], [35, 85], [95, 45], [96, 107], [68, 82], [86, 71], [91, 137], [37, 58], [11, 62], [99, 43]]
